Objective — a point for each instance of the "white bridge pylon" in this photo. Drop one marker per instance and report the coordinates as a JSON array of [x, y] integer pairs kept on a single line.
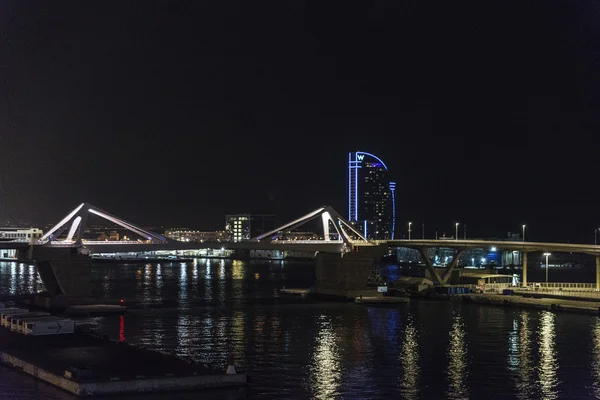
[[327, 214], [76, 221]]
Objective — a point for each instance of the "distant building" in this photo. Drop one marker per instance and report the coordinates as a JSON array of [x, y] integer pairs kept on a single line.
[[188, 235], [371, 196], [20, 234], [292, 235], [102, 236], [241, 227]]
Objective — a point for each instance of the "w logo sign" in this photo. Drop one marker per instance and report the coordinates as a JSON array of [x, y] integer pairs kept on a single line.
[[360, 157]]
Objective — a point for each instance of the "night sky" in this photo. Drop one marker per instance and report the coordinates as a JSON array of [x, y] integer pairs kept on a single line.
[[177, 113]]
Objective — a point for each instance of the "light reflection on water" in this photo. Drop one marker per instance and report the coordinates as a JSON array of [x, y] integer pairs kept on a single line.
[[457, 361], [424, 350], [324, 370], [596, 359], [409, 358], [524, 387], [548, 366]]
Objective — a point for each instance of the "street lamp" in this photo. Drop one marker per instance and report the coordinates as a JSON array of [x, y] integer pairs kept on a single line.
[[547, 255], [456, 231], [409, 224], [523, 232]]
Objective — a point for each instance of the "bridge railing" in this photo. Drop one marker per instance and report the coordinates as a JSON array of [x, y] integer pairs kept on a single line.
[[497, 286], [115, 242], [583, 294], [308, 241], [564, 286]]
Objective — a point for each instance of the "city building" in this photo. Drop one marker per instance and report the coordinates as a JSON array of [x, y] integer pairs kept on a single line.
[[371, 196], [188, 235], [20, 234], [241, 227]]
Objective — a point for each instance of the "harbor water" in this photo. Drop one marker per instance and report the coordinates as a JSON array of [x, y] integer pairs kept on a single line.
[[208, 309]]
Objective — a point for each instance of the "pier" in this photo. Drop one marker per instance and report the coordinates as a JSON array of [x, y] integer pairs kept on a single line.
[[87, 366]]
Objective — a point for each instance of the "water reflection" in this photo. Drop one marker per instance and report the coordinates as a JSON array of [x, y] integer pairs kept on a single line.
[[457, 357], [238, 335], [525, 364], [121, 328], [325, 364], [13, 278], [328, 351], [409, 358], [222, 269], [182, 285], [237, 269], [159, 281], [207, 282], [222, 282], [513, 347], [548, 366], [184, 323], [596, 360]]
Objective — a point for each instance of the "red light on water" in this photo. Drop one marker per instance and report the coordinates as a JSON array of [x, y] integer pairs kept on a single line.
[[121, 328]]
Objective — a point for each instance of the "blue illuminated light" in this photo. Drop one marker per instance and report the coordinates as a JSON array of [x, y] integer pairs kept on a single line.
[[371, 155], [355, 195], [393, 190], [365, 229], [350, 186]]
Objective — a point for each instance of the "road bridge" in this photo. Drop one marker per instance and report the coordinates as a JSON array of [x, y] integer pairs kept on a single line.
[[422, 245], [338, 236]]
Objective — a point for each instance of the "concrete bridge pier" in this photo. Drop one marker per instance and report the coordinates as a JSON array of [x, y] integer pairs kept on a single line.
[[597, 272], [524, 284], [433, 272], [65, 274]]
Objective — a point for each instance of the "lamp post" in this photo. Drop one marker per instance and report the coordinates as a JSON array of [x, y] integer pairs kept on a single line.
[[596, 236], [523, 232], [456, 231], [423, 230], [547, 255], [409, 224]]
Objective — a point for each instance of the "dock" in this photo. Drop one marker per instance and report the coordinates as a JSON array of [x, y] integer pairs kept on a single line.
[[303, 293], [86, 366], [543, 303]]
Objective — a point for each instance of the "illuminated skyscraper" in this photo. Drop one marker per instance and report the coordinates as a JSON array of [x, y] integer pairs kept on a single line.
[[371, 196]]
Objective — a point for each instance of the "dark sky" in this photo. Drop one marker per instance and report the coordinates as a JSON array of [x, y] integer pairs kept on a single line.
[[177, 113]]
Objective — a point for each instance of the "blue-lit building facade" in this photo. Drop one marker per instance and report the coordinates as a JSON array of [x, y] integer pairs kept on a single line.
[[371, 196]]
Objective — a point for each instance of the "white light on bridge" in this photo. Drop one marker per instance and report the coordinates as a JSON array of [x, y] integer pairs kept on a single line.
[[493, 248]]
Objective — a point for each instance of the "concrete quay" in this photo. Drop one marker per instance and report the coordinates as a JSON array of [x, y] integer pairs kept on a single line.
[[86, 366], [381, 300], [550, 304]]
